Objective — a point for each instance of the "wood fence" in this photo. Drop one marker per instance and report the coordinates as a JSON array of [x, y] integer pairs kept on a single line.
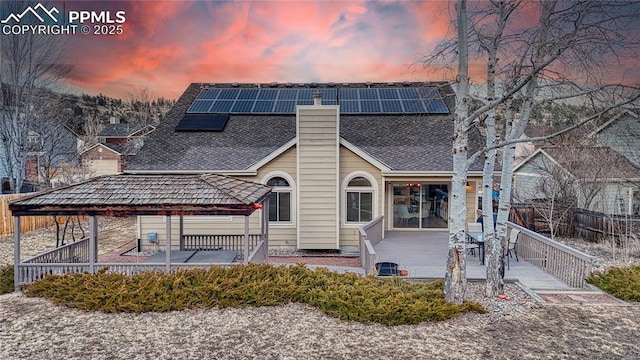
[[585, 224], [27, 223]]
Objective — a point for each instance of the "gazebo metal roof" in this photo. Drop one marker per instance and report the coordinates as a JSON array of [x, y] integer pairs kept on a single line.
[[165, 194]]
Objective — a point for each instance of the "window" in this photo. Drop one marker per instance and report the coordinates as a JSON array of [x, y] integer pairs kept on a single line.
[[280, 200], [359, 200]]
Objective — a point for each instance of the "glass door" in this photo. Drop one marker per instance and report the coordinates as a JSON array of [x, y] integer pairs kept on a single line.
[[406, 206]]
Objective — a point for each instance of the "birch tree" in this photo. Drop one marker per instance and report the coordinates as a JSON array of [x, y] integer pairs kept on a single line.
[[561, 56], [28, 63]]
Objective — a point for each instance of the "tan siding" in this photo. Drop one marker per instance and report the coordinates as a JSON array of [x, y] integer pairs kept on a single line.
[[102, 167], [317, 178], [279, 236], [350, 162]]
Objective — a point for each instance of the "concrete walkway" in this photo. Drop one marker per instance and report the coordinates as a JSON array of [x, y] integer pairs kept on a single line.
[[424, 255]]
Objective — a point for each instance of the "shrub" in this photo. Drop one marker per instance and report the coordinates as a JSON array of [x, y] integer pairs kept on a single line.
[[6, 279], [623, 283], [388, 301]]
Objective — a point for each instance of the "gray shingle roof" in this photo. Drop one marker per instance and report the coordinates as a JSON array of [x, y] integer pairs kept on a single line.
[[152, 194], [120, 130], [592, 162], [402, 142]]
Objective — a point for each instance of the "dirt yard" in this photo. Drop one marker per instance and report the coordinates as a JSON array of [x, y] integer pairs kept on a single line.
[[518, 328]]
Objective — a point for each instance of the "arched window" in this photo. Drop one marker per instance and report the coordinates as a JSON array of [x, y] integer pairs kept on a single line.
[[359, 199], [280, 200]]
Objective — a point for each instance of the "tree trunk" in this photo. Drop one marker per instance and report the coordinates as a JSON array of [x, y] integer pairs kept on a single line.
[[456, 277]]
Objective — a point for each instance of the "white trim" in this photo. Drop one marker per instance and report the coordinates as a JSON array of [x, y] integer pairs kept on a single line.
[[366, 157], [297, 188], [199, 218], [292, 190], [343, 197], [104, 146], [337, 108], [277, 152], [427, 173]]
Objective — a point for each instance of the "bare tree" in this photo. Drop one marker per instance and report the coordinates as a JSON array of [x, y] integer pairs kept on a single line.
[[563, 56], [140, 101], [29, 62]]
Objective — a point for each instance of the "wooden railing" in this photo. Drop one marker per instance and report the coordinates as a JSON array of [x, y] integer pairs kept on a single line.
[[28, 273], [562, 262], [218, 242], [370, 234], [75, 252], [260, 253]]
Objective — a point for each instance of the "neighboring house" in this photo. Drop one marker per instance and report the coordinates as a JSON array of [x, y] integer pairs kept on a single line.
[[622, 134], [385, 150], [600, 178], [526, 148], [118, 143]]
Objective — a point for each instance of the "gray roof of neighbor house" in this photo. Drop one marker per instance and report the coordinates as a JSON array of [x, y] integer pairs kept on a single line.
[[403, 142], [591, 161], [126, 194], [120, 130]]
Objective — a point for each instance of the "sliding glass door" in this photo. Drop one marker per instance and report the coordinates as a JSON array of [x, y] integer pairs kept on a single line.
[[420, 205]]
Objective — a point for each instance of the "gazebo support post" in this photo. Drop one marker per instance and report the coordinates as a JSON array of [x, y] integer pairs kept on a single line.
[[167, 245], [181, 233], [16, 252], [92, 243], [265, 214], [246, 239]]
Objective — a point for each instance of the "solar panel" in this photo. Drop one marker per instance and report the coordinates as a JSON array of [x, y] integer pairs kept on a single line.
[[263, 106], [370, 106], [202, 122], [229, 94], [352, 100], [248, 94], [200, 106], [267, 94], [242, 106], [391, 106], [221, 106]]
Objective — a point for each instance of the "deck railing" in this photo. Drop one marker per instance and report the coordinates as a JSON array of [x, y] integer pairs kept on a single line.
[[260, 253], [370, 234], [75, 252], [562, 262], [219, 242]]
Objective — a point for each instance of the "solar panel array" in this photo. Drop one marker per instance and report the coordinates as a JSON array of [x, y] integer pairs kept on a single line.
[[401, 100]]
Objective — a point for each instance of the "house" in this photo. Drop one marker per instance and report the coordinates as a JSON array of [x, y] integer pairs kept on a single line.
[[118, 142], [622, 134], [596, 178], [337, 156]]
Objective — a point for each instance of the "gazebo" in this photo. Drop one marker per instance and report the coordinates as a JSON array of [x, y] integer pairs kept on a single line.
[[132, 195]]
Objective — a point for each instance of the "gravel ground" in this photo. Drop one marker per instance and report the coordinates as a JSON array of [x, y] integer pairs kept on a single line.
[[32, 328], [518, 328]]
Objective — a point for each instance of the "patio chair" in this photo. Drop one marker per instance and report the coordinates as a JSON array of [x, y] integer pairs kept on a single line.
[[404, 214], [471, 245], [513, 240]]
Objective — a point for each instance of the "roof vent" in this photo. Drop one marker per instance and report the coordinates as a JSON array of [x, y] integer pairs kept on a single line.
[[274, 84], [405, 83], [317, 98], [235, 84], [288, 84], [313, 85], [331, 84]]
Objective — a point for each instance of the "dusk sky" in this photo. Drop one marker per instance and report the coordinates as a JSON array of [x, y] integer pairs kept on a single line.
[[168, 44]]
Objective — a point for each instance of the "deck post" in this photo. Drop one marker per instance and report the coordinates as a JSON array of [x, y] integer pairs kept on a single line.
[[246, 239], [181, 232], [168, 245], [92, 244], [16, 252]]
